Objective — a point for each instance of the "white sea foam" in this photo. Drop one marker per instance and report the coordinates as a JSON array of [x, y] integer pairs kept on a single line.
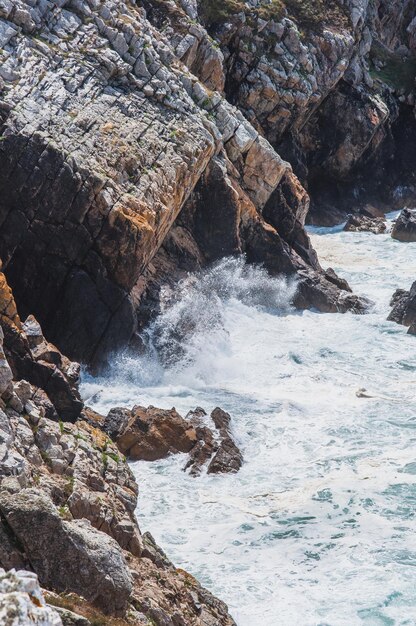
[[318, 528]]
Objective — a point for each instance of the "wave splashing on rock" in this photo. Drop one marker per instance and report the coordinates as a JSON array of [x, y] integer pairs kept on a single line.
[[190, 337], [193, 315]]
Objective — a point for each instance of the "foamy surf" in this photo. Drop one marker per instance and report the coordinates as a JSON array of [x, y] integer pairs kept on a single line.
[[318, 527]]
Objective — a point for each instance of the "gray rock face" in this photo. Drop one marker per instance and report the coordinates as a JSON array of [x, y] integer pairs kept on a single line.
[[68, 555], [404, 228]]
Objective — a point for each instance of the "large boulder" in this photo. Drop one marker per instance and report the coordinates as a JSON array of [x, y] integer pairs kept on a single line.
[[68, 555], [329, 294], [404, 228]]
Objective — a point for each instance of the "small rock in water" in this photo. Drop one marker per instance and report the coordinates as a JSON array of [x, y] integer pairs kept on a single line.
[[361, 223], [363, 393], [228, 458]]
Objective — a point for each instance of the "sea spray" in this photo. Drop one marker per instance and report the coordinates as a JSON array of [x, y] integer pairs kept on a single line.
[[190, 332]]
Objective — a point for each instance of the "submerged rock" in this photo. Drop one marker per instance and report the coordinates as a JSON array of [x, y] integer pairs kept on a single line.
[[404, 228], [361, 223]]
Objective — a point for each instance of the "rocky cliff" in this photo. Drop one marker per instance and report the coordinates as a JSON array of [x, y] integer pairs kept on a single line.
[[143, 140]]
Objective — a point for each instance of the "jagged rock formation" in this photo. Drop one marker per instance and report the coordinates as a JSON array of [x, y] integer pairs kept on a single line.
[[36, 360], [122, 163], [227, 457], [331, 85], [404, 308], [148, 434], [404, 228], [67, 508]]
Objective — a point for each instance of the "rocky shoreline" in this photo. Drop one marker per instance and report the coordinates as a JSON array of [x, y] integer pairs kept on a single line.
[[141, 142], [68, 497]]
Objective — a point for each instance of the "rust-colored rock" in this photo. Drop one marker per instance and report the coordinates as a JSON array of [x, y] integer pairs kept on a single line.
[[152, 433]]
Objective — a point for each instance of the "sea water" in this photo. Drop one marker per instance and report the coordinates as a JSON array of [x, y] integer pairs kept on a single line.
[[319, 525]]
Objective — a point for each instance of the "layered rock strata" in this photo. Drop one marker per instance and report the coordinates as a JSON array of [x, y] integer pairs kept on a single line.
[[331, 85]]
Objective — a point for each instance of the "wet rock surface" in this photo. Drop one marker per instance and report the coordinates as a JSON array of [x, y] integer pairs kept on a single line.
[[228, 457], [216, 451], [404, 228]]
